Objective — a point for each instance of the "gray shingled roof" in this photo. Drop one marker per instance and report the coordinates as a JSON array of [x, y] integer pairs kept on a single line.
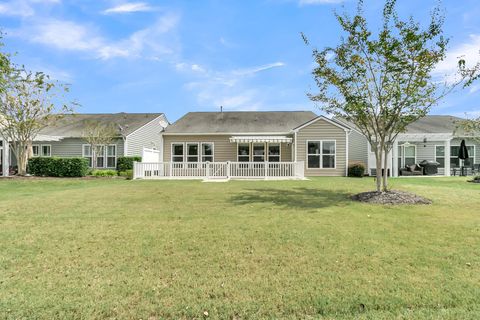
[[240, 122], [428, 124], [72, 125]]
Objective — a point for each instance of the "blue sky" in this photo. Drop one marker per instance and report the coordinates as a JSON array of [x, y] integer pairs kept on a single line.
[[180, 56]]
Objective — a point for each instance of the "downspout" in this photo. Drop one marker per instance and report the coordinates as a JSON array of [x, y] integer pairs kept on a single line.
[[347, 134]]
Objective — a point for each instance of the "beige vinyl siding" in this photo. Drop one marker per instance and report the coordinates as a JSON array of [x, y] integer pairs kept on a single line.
[[323, 130], [357, 148], [224, 150], [148, 136]]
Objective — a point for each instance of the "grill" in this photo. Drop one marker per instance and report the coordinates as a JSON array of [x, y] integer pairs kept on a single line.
[[429, 167]]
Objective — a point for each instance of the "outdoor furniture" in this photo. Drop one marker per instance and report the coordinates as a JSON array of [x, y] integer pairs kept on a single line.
[[429, 167], [413, 170], [476, 169]]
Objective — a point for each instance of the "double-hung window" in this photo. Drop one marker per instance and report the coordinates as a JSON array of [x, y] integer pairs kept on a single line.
[[87, 153], [258, 152], [321, 154], [100, 156], [455, 162], [274, 152], [207, 152], [410, 155], [36, 150], [111, 156], [44, 150], [177, 152], [440, 155], [192, 152], [243, 152]]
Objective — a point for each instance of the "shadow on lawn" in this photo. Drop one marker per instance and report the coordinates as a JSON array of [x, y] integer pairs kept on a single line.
[[300, 198]]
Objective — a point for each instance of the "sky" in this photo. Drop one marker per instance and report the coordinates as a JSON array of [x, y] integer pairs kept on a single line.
[[197, 55]]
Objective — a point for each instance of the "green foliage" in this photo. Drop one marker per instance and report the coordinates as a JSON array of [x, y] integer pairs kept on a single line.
[[104, 173], [126, 163], [381, 82], [356, 170], [58, 167], [469, 127], [127, 174]]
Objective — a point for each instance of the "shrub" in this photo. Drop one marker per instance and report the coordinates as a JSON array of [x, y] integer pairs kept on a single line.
[[356, 170], [104, 173], [128, 174], [58, 167], [126, 163]]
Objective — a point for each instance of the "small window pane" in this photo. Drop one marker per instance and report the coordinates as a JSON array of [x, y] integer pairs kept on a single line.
[[314, 161], [244, 152], [454, 151], [454, 162], [177, 159], [273, 149], [328, 147], [328, 161], [207, 149], [192, 149], [440, 151], [111, 151], [410, 151], [314, 147], [46, 151], [258, 152], [243, 158], [35, 151], [441, 161], [178, 150], [409, 161]]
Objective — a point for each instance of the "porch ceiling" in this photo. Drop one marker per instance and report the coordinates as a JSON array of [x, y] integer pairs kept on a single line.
[[261, 139]]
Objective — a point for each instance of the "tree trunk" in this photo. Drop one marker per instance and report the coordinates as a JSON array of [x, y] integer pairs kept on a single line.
[[378, 159], [385, 175], [22, 159]]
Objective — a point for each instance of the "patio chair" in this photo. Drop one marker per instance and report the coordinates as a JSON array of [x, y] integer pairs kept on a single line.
[[476, 169]]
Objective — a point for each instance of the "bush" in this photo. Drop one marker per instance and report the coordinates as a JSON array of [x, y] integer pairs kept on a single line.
[[128, 174], [126, 163], [356, 170], [58, 167], [104, 173]]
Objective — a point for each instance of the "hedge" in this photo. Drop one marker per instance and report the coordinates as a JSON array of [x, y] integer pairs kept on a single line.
[[126, 163], [104, 173], [58, 167], [356, 170]]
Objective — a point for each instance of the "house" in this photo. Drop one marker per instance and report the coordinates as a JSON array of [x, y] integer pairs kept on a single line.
[[64, 139], [253, 144], [432, 138]]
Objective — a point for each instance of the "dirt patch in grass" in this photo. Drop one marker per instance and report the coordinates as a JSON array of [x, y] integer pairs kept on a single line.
[[392, 197]]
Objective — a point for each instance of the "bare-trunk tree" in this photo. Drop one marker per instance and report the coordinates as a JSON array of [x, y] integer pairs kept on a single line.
[[99, 135]]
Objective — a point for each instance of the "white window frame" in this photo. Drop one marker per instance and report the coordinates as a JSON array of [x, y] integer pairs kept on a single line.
[[249, 151], [321, 154], [84, 155], [172, 155], [436, 156], [213, 151], [467, 145], [402, 164], [39, 150], [279, 151], [49, 149], [186, 155], [253, 144], [107, 156]]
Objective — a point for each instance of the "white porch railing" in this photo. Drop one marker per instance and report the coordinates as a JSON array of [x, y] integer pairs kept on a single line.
[[218, 170]]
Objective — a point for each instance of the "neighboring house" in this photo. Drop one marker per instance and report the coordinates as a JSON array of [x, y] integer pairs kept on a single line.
[[432, 138], [64, 139], [317, 142]]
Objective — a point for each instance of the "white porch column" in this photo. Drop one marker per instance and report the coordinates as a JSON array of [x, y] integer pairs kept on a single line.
[[6, 158], [447, 158], [395, 159]]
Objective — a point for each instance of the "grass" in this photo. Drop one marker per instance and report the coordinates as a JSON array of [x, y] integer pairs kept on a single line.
[[91, 249]]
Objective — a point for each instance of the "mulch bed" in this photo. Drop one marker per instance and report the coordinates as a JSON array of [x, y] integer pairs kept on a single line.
[[391, 197]]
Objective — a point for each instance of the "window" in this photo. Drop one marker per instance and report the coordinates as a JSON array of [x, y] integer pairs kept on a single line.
[[207, 152], [36, 150], [440, 155], [243, 152], [112, 156], [192, 152], [258, 152], [410, 155], [274, 152], [87, 153], [46, 150], [328, 154], [177, 152], [321, 154], [100, 156], [455, 162]]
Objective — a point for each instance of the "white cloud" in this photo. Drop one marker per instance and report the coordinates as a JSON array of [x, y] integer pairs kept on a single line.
[[469, 51], [22, 8], [153, 42], [129, 7], [250, 71]]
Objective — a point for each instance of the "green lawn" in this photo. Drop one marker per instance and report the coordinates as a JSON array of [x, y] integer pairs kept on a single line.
[[90, 249]]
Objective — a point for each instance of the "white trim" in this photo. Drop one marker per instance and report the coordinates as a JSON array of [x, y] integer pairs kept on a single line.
[[435, 155], [341, 126], [267, 152], [347, 161], [226, 133], [187, 155], [261, 139], [40, 150], [147, 123], [249, 152], [402, 164], [321, 154], [253, 151], [201, 151], [172, 153], [105, 155]]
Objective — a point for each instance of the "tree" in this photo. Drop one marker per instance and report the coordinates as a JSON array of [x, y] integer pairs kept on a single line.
[[28, 104], [98, 135], [382, 83], [469, 127]]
